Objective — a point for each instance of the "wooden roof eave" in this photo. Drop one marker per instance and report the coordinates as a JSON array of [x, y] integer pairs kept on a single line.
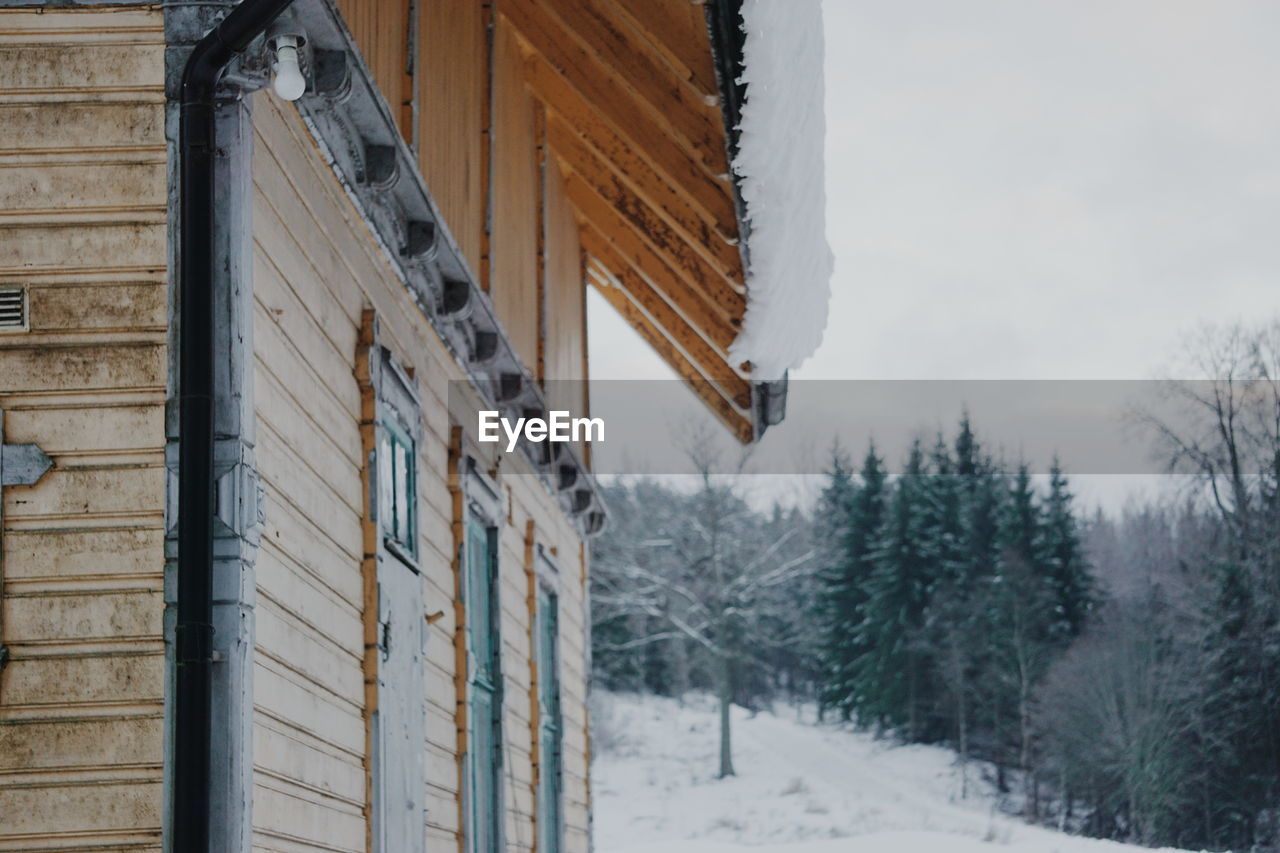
[[354, 126], [740, 422], [672, 30], [712, 364], [728, 40], [644, 149], [655, 170], [648, 205], [576, 38]]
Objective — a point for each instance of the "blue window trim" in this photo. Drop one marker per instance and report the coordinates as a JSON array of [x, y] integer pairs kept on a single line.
[[550, 794], [392, 438], [485, 821]]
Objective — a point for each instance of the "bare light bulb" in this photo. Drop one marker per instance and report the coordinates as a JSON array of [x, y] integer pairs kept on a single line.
[[289, 82]]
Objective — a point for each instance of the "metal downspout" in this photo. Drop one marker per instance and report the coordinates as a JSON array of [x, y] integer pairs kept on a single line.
[[193, 633]]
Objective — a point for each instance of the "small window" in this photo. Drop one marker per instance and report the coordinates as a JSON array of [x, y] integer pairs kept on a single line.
[[397, 494]]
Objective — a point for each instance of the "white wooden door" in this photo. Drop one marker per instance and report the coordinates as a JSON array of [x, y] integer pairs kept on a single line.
[[399, 723]]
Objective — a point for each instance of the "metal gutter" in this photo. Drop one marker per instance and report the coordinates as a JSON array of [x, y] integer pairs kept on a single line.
[[724, 25], [728, 39], [193, 634]]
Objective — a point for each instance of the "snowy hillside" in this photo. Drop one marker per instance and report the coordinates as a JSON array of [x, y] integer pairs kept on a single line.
[[799, 789]]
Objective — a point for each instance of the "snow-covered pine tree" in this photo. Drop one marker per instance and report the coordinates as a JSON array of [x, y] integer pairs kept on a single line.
[[850, 515], [956, 635], [947, 591], [1064, 557], [833, 612], [944, 494], [980, 507], [1022, 611], [893, 674]]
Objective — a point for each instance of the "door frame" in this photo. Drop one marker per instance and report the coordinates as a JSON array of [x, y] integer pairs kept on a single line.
[[482, 505]]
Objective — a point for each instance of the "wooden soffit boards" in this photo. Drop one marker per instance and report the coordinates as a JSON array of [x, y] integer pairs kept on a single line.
[[632, 99], [646, 139], [633, 121], [609, 62], [713, 394]]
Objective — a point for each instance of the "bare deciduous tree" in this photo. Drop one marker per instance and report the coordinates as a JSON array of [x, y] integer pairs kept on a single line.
[[707, 571]]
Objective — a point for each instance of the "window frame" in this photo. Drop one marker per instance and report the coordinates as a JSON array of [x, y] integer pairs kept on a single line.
[[549, 803], [393, 435], [482, 516]]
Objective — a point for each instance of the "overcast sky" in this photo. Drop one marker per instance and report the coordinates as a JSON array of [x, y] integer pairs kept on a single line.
[[1037, 188]]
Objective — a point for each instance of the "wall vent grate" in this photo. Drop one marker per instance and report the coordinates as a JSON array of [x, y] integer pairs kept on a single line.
[[13, 309]]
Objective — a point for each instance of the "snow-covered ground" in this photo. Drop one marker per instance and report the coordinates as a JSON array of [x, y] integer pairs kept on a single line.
[[800, 788]]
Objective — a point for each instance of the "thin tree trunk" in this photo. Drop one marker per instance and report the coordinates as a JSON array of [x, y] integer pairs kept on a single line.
[[1001, 756], [1024, 731], [1064, 813], [964, 747], [1030, 784], [912, 731], [1208, 807], [680, 669], [726, 743]]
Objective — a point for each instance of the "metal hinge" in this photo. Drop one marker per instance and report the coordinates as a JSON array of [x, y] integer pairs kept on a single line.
[[384, 623], [21, 464]]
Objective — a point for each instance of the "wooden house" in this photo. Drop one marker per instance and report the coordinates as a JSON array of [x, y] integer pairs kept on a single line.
[[387, 649]]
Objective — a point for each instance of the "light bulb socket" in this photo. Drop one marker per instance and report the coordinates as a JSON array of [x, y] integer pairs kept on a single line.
[[282, 38], [289, 83]]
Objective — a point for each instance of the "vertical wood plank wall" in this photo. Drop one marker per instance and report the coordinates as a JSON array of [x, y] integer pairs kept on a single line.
[[565, 309], [452, 81], [83, 227], [381, 30], [513, 243], [315, 271]]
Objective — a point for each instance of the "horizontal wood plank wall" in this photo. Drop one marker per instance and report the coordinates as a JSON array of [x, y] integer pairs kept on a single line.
[[381, 31], [452, 84], [316, 271], [514, 240], [82, 226], [527, 504], [309, 734]]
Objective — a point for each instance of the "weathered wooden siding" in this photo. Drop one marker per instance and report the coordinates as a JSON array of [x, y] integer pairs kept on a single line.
[[516, 192], [478, 140], [565, 307], [82, 226], [625, 93], [316, 271], [453, 83], [528, 502], [381, 30]]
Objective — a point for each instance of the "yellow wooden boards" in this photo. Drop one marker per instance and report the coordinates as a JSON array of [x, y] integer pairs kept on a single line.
[[626, 93], [82, 228], [318, 275]]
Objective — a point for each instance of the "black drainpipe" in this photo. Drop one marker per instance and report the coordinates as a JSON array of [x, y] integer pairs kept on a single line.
[[193, 634]]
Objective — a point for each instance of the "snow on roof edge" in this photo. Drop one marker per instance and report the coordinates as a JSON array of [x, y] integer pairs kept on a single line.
[[780, 164]]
